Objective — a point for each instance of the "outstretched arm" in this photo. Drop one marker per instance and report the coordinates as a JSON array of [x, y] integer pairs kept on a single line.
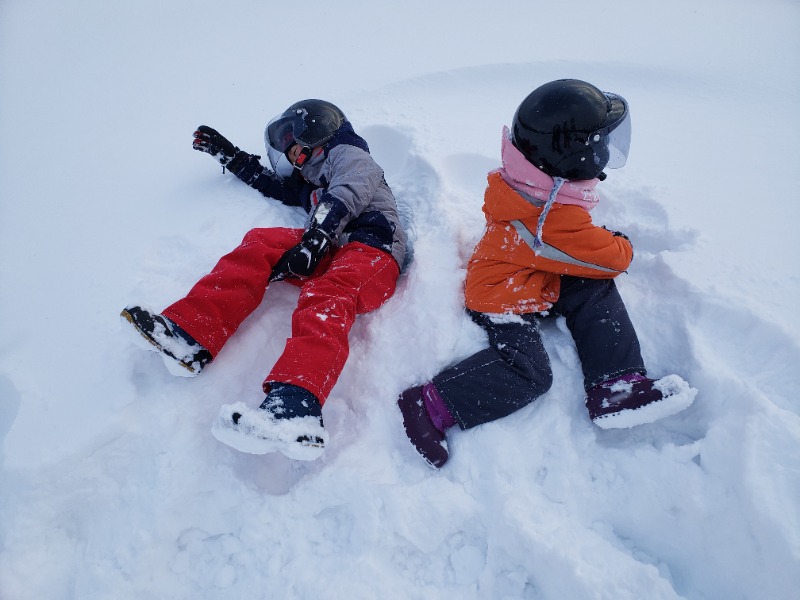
[[248, 167]]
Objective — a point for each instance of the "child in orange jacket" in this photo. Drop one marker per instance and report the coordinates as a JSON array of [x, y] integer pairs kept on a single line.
[[542, 255]]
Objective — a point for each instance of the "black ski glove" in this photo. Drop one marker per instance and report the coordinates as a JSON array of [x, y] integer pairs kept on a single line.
[[211, 141], [303, 259]]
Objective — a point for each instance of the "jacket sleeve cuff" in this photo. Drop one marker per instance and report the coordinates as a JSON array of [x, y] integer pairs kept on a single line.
[[245, 166], [330, 215]]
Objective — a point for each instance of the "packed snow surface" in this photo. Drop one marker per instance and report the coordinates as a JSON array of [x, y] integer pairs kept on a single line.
[[111, 483]]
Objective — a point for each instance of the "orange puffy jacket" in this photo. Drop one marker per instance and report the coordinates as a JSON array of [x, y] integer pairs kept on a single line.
[[505, 275]]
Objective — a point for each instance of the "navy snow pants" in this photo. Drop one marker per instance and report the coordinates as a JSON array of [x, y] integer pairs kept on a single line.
[[515, 369]]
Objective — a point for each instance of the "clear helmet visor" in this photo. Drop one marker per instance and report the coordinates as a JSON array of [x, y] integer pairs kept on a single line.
[[284, 130], [280, 164], [280, 134], [619, 144], [614, 138]]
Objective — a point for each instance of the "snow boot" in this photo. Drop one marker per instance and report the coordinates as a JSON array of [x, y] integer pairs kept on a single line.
[[182, 355], [425, 433], [634, 399], [288, 421]]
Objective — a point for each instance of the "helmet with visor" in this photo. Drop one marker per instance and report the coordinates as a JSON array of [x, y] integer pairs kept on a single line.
[[309, 123], [570, 129]]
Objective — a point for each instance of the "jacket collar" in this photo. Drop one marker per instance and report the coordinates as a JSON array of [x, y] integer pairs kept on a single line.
[[536, 185]]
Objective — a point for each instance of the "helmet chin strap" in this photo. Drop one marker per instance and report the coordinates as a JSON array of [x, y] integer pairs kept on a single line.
[[302, 157]]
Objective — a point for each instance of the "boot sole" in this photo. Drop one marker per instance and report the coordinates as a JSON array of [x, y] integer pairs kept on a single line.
[[649, 413], [227, 429], [169, 359]]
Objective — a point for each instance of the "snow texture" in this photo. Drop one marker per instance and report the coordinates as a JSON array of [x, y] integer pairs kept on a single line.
[[111, 484]]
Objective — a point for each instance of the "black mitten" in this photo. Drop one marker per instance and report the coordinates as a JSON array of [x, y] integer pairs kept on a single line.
[[303, 259], [212, 142]]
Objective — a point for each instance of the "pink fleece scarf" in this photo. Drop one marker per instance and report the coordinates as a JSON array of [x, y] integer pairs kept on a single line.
[[524, 177]]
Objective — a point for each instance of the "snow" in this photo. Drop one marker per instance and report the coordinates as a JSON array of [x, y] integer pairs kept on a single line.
[[111, 484]]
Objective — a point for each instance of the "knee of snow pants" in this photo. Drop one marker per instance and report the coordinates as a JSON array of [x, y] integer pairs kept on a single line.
[[604, 336], [360, 279], [508, 375], [217, 304]]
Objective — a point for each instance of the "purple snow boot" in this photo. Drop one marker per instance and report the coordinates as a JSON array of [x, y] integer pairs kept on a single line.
[[634, 399], [426, 418]]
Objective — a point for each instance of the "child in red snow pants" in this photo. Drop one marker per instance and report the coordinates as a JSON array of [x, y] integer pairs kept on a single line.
[[353, 279]]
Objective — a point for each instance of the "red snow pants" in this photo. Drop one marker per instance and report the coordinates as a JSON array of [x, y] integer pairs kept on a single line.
[[353, 279]]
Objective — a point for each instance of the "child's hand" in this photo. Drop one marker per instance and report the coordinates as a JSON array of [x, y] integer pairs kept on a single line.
[[303, 259], [212, 142], [616, 233]]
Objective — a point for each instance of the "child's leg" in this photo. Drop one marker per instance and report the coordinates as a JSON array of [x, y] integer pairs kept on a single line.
[[497, 381], [217, 304], [359, 279], [604, 335]]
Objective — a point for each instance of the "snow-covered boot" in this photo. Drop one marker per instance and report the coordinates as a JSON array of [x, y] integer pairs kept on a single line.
[[288, 421], [634, 399], [182, 355], [426, 418]]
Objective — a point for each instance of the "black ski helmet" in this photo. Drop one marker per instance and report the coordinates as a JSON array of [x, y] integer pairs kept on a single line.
[[570, 129], [309, 123]]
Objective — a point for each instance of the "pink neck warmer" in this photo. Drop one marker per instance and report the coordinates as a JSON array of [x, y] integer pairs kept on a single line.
[[524, 177]]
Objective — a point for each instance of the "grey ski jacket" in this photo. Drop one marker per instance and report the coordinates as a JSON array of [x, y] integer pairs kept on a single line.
[[342, 188]]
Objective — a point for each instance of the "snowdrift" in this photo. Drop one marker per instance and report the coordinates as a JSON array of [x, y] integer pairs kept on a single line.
[[111, 484]]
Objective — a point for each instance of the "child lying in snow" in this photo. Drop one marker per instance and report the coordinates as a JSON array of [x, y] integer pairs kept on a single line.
[[541, 255], [346, 262]]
